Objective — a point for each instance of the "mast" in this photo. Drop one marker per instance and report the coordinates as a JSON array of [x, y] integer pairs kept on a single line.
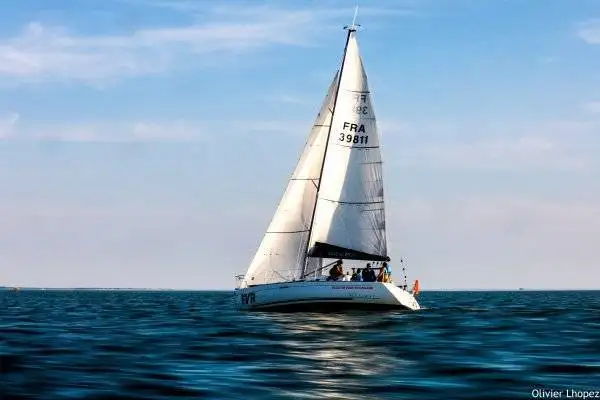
[[351, 28]]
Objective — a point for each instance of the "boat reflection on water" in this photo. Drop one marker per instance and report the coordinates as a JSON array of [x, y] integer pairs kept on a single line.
[[339, 355]]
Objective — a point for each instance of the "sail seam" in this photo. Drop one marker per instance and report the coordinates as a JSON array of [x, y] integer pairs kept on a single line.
[[305, 230], [359, 147], [351, 202]]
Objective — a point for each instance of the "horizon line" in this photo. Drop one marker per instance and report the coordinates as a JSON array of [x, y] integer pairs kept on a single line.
[[16, 287]]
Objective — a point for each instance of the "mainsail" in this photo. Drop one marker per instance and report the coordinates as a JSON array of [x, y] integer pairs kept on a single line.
[[333, 205], [282, 252]]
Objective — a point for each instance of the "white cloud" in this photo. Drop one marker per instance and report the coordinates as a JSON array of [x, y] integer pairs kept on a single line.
[[592, 107], [275, 126], [523, 153], [335, 8], [141, 131], [117, 247], [546, 60], [498, 145], [499, 241], [288, 99], [589, 31], [508, 214], [42, 52], [178, 130], [8, 125], [175, 5], [450, 242]]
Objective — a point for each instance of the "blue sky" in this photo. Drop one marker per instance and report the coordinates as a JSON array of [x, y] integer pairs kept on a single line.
[[146, 143]]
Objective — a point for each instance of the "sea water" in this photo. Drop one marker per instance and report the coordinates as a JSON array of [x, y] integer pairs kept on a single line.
[[163, 345]]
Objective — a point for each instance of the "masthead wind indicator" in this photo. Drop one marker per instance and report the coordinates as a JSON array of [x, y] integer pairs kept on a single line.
[[354, 26]]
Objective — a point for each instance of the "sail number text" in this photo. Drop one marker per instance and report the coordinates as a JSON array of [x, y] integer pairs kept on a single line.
[[351, 138], [364, 110], [359, 108]]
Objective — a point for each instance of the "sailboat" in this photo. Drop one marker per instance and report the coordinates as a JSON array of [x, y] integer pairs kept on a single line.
[[332, 209]]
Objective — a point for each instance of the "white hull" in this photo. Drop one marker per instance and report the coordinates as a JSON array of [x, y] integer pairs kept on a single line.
[[317, 295]]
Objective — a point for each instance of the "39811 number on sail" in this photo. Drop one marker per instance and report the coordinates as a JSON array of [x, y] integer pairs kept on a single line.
[[353, 138]]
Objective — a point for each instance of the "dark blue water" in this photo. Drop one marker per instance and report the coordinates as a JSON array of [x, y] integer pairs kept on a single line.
[[161, 345]]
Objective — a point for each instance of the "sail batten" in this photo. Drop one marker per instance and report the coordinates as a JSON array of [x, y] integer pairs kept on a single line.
[[358, 203], [363, 148], [302, 231]]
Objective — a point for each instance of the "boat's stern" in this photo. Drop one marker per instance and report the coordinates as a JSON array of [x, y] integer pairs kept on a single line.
[[403, 297]]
